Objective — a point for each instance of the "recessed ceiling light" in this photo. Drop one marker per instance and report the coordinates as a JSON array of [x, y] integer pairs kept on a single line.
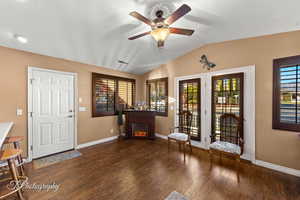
[[21, 39], [21, 1]]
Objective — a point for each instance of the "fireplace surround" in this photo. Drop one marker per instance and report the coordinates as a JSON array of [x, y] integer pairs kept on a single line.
[[140, 124]]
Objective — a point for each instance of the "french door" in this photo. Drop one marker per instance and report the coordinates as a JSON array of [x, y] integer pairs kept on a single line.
[[189, 100], [227, 98], [229, 91]]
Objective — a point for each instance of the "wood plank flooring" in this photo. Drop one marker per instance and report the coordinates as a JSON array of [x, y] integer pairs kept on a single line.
[[143, 170]]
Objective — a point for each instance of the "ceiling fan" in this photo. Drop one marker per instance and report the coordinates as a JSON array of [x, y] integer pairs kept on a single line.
[[161, 26]]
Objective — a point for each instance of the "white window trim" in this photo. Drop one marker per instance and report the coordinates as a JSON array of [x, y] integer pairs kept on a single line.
[[249, 106]]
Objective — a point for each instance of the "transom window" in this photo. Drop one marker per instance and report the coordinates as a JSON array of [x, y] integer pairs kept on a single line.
[[286, 94], [111, 93], [157, 92]]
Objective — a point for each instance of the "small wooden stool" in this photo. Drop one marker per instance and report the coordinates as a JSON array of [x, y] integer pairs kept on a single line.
[[10, 156], [16, 140]]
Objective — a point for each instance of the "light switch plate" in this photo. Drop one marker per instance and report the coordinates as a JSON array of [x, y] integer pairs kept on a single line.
[[19, 112]]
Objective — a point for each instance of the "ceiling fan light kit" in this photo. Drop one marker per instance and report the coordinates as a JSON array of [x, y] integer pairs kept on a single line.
[[161, 26], [160, 35]]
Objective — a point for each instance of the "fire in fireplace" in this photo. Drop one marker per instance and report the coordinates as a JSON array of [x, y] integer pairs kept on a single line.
[[140, 130], [140, 134]]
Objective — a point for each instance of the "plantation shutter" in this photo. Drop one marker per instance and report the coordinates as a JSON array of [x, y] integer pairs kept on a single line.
[[110, 93], [126, 92]]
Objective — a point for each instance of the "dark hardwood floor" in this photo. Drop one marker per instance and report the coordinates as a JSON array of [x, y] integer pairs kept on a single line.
[[143, 170]]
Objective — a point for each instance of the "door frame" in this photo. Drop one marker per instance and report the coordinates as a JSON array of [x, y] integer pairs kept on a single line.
[[29, 106], [206, 95]]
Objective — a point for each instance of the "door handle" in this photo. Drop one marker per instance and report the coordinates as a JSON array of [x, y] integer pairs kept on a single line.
[[70, 116]]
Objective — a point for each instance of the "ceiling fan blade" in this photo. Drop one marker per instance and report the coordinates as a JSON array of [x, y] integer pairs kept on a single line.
[[181, 31], [183, 10], [141, 18], [138, 36], [203, 17]]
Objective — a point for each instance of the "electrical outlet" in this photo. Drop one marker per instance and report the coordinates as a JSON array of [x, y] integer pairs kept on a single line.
[[112, 130], [82, 109]]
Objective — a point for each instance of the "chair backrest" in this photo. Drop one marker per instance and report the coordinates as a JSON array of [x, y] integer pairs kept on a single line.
[[230, 128], [185, 121]]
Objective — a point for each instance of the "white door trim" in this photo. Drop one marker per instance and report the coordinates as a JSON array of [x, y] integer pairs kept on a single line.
[[249, 105], [29, 105]]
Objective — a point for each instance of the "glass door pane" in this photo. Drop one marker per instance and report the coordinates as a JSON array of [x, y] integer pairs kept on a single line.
[[227, 98], [189, 100]]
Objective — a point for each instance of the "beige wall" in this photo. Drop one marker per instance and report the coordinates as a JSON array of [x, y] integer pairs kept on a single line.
[[278, 147], [13, 92]]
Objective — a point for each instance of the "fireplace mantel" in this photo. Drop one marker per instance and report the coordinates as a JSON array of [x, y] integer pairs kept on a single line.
[[140, 124]]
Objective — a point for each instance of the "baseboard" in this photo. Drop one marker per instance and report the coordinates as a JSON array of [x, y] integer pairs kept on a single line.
[[272, 166], [104, 140], [279, 168]]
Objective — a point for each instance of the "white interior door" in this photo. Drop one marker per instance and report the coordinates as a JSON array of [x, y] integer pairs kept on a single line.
[[52, 112]]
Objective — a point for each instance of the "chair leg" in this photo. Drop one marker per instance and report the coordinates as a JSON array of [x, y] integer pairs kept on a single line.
[[210, 158], [190, 146], [184, 150], [20, 159], [14, 172], [168, 145], [238, 161]]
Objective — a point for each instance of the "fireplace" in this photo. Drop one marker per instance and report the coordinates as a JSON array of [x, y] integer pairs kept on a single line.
[[140, 130], [140, 124]]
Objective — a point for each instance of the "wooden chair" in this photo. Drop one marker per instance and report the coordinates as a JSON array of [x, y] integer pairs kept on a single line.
[[16, 141], [230, 141], [182, 137], [10, 156]]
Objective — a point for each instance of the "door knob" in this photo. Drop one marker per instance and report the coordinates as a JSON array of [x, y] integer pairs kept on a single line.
[[70, 116]]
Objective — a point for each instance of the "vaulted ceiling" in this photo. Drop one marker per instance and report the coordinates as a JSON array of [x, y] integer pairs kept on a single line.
[[96, 31]]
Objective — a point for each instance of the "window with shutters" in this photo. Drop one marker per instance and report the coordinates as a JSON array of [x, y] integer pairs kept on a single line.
[[111, 93], [286, 94], [157, 92]]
